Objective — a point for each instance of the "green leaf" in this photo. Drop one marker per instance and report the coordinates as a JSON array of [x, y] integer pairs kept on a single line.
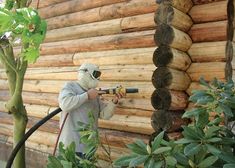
[[181, 158], [227, 157], [204, 83], [138, 161], [229, 166], [142, 145], [214, 139], [152, 163], [192, 149], [211, 131], [216, 121], [227, 110], [125, 160], [190, 133], [161, 150], [208, 162], [137, 149], [157, 141], [66, 164], [197, 94], [31, 55], [184, 141], [202, 119], [171, 161], [157, 164], [193, 112], [55, 162], [212, 149]]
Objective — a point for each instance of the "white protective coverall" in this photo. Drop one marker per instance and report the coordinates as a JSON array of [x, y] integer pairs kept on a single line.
[[73, 99]]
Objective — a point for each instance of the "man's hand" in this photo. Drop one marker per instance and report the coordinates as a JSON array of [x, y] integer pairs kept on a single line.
[[92, 94], [118, 96]]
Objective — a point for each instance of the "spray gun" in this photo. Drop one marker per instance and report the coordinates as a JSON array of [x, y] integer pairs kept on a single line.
[[118, 89]]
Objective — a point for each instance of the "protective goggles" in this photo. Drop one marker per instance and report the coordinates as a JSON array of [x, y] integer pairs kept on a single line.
[[95, 74]]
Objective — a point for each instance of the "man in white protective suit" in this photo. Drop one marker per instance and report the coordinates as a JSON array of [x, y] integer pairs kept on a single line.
[[78, 98]]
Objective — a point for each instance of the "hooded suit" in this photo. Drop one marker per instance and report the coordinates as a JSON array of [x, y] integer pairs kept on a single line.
[[73, 99]]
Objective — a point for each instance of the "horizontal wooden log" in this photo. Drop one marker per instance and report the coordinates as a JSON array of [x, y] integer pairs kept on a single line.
[[170, 78], [85, 30], [119, 57], [44, 3], [168, 35], [73, 6], [194, 86], [128, 123], [167, 120], [203, 32], [167, 14], [172, 58], [198, 2], [38, 111], [50, 99], [115, 26], [215, 11], [54, 61], [208, 70], [145, 89], [39, 137], [169, 99], [113, 11], [51, 126], [110, 42], [109, 73], [208, 51]]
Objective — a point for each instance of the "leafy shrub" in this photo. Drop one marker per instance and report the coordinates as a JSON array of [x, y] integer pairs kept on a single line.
[[205, 143], [67, 157]]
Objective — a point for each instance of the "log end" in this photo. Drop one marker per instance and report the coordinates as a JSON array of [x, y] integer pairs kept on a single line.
[[164, 34], [161, 99], [164, 14], [162, 56], [161, 77], [170, 121]]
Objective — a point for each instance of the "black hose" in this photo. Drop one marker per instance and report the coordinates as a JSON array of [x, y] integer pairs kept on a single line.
[[27, 135]]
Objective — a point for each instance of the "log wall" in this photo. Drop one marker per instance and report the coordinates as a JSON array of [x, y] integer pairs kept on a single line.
[[212, 35], [161, 48]]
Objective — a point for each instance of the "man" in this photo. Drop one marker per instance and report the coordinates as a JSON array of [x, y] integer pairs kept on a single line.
[[78, 99]]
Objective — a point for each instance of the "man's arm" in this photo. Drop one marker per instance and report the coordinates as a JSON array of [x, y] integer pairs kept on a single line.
[[69, 101]]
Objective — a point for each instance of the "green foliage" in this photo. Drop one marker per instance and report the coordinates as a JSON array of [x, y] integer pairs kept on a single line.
[[67, 157], [24, 25], [159, 154], [204, 144], [207, 143]]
